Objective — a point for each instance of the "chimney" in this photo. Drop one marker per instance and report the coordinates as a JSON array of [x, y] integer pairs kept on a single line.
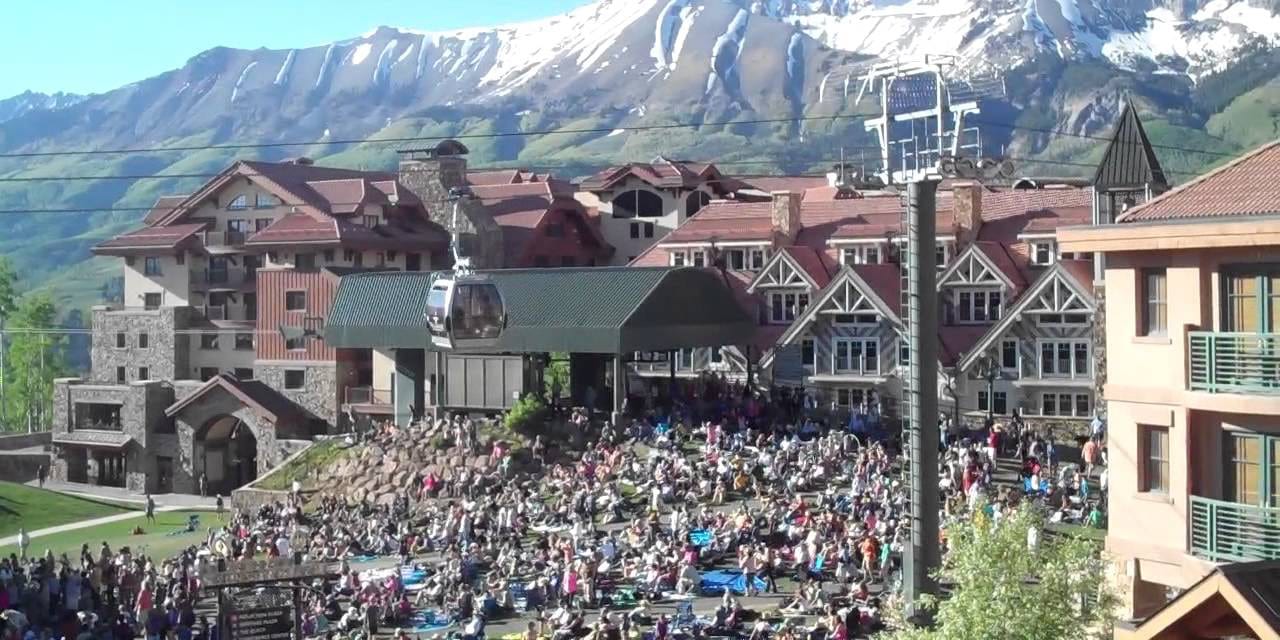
[[785, 216], [431, 173], [966, 204]]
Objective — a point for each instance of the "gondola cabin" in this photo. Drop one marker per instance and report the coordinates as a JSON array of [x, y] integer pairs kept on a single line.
[[465, 312]]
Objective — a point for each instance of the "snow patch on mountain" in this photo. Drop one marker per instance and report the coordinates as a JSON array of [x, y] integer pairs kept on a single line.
[[325, 63], [725, 54], [664, 38], [794, 88], [283, 74], [422, 58], [382, 69], [235, 90], [361, 52], [404, 54]]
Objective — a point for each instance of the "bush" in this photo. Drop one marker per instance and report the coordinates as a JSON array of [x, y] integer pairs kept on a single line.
[[526, 414]]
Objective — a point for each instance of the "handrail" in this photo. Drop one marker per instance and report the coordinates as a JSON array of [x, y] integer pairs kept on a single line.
[[368, 395], [1233, 532], [1225, 362]]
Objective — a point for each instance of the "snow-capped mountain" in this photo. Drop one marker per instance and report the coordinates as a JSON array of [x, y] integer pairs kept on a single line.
[[610, 64]]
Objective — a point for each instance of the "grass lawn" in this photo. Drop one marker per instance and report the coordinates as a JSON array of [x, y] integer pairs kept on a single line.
[[303, 468], [23, 506], [155, 541]]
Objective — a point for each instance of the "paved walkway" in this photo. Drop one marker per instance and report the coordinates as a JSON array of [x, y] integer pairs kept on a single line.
[[83, 524], [116, 494]]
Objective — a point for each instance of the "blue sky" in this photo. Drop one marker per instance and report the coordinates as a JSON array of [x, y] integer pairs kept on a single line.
[[89, 46]]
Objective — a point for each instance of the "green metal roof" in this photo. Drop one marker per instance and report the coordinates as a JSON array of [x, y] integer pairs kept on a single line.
[[580, 310]]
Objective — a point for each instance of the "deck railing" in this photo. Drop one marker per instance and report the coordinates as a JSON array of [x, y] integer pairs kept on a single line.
[[368, 395], [1234, 362], [1233, 532]]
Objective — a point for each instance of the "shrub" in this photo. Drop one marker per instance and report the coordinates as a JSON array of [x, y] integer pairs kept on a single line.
[[526, 414]]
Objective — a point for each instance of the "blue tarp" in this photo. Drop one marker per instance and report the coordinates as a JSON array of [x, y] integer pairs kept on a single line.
[[715, 582], [411, 576], [429, 621], [701, 537]]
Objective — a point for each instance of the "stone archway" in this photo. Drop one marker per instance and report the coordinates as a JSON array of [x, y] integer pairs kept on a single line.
[[229, 453]]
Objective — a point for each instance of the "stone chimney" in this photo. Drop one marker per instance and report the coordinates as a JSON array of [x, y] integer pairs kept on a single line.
[[431, 174], [785, 216], [966, 204]]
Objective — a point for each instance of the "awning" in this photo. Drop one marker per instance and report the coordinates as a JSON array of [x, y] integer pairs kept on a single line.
[[610, 310], [101, 439]]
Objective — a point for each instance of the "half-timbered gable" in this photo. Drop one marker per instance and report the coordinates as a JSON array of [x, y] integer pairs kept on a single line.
[[978, 285], [1040, 351], [788, 283]]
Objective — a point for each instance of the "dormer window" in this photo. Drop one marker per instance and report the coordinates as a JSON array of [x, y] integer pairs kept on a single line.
[[678, 258], [977, 306], [264, 201], [1043, 252], [371, 221], [238, 203], [866, 254]]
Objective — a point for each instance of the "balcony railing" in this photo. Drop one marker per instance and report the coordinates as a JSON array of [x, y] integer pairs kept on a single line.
[[1234, 362], [224, 238], [222, 278], [1233, 532], [368, 395]]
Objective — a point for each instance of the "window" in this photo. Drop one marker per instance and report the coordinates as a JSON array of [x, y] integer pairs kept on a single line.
[[1001, 406], [250, 306], [328, 256], [637, 204], [151, 266], [855, 355], [151, 300], [941, 255], [648, 229], [144, 341], [208, 341], [784, 307], [684, 359], [1252, 469], [1155, 302], [1065, 359], [370, 221], [243, 373], [121, 376], [567, 261], [391, 256], [1067, 405], [348, 255], [304, 261], [555, 230], [809, 355], [180, 257], [1009, 354], [1042, 253], [1062, 318], [736, 259], [261, 223], [847, 319], [1252, 301], [904, 352], [295, 301], [122, 340], [208, 373], [716, 355], [635, 229], [238, 225], [144, 373], [865, 254], [699, 258], [296, 344], [756, 259], [677, 258], [695, 202], [1153, 475], [976, 307], [264, 201], [847, 398], [129, 260], [244, 341], [238, 203]]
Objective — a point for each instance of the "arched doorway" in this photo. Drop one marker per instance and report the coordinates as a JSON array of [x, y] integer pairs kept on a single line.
[[230, 453]]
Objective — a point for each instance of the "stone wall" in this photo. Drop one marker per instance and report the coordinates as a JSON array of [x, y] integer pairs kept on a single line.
[[166, 356], [25, 440], [320, 393], [196, 415], [431, 179], [142, 406], [21, 467], [1099, 350]]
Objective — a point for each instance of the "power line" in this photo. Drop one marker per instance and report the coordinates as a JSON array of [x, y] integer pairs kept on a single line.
[[1071, 134], [463, 136]]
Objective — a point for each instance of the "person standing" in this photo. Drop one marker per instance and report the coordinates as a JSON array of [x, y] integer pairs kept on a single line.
[[41, 474], [24, 542], [204, 485], [151, 509]]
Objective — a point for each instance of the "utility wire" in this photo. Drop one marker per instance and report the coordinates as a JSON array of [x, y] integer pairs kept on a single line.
[[461, 136], [1070, 134]]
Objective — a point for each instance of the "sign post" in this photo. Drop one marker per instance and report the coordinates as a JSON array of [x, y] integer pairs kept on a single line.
[[262, 599]]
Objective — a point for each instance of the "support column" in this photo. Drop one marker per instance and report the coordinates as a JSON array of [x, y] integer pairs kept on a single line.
[[619, 388], [671, 380], [922, 393]]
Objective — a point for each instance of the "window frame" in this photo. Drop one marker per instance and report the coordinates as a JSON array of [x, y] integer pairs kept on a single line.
[[122, 340], [144, 340], [1153, 315], [122, 374], [777, 313], [810, 364], [239, 346], [264, 201], [1071, 344], [1001, 399], [238, 203], [1034, 254], [677, 258], [298, 385], [1153, 472], [1072, 404], [857, 322], [840, 343], [144, 373], [151, 266], [1017, 354], [979, 299], [209, 341], [292, 292]]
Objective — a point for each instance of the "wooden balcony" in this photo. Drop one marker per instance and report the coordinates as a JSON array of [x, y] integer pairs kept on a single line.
[[223, 279], [1233, 532], [223, 241], [1239, 363]]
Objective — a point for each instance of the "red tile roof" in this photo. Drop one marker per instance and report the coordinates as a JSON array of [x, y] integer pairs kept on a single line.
[[885, 281], [163, 207], [769, 184], [301, 228], [1246, 186], [519, 208], [495, 176], [660, 173], [1081, 271], [1017, 271], [814, 262], [152, 238], [956, 340]]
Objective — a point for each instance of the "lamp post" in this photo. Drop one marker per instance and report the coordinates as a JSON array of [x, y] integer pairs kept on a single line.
[[989, 370]]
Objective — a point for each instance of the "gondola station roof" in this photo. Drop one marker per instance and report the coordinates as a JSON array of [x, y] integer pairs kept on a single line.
[[579, 310]]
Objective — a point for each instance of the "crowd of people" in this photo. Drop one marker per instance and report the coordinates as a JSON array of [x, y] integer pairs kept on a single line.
[[795, 526]]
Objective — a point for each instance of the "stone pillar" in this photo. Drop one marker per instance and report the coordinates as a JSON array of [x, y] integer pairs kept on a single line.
[[1099, 349], [785, 217]]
